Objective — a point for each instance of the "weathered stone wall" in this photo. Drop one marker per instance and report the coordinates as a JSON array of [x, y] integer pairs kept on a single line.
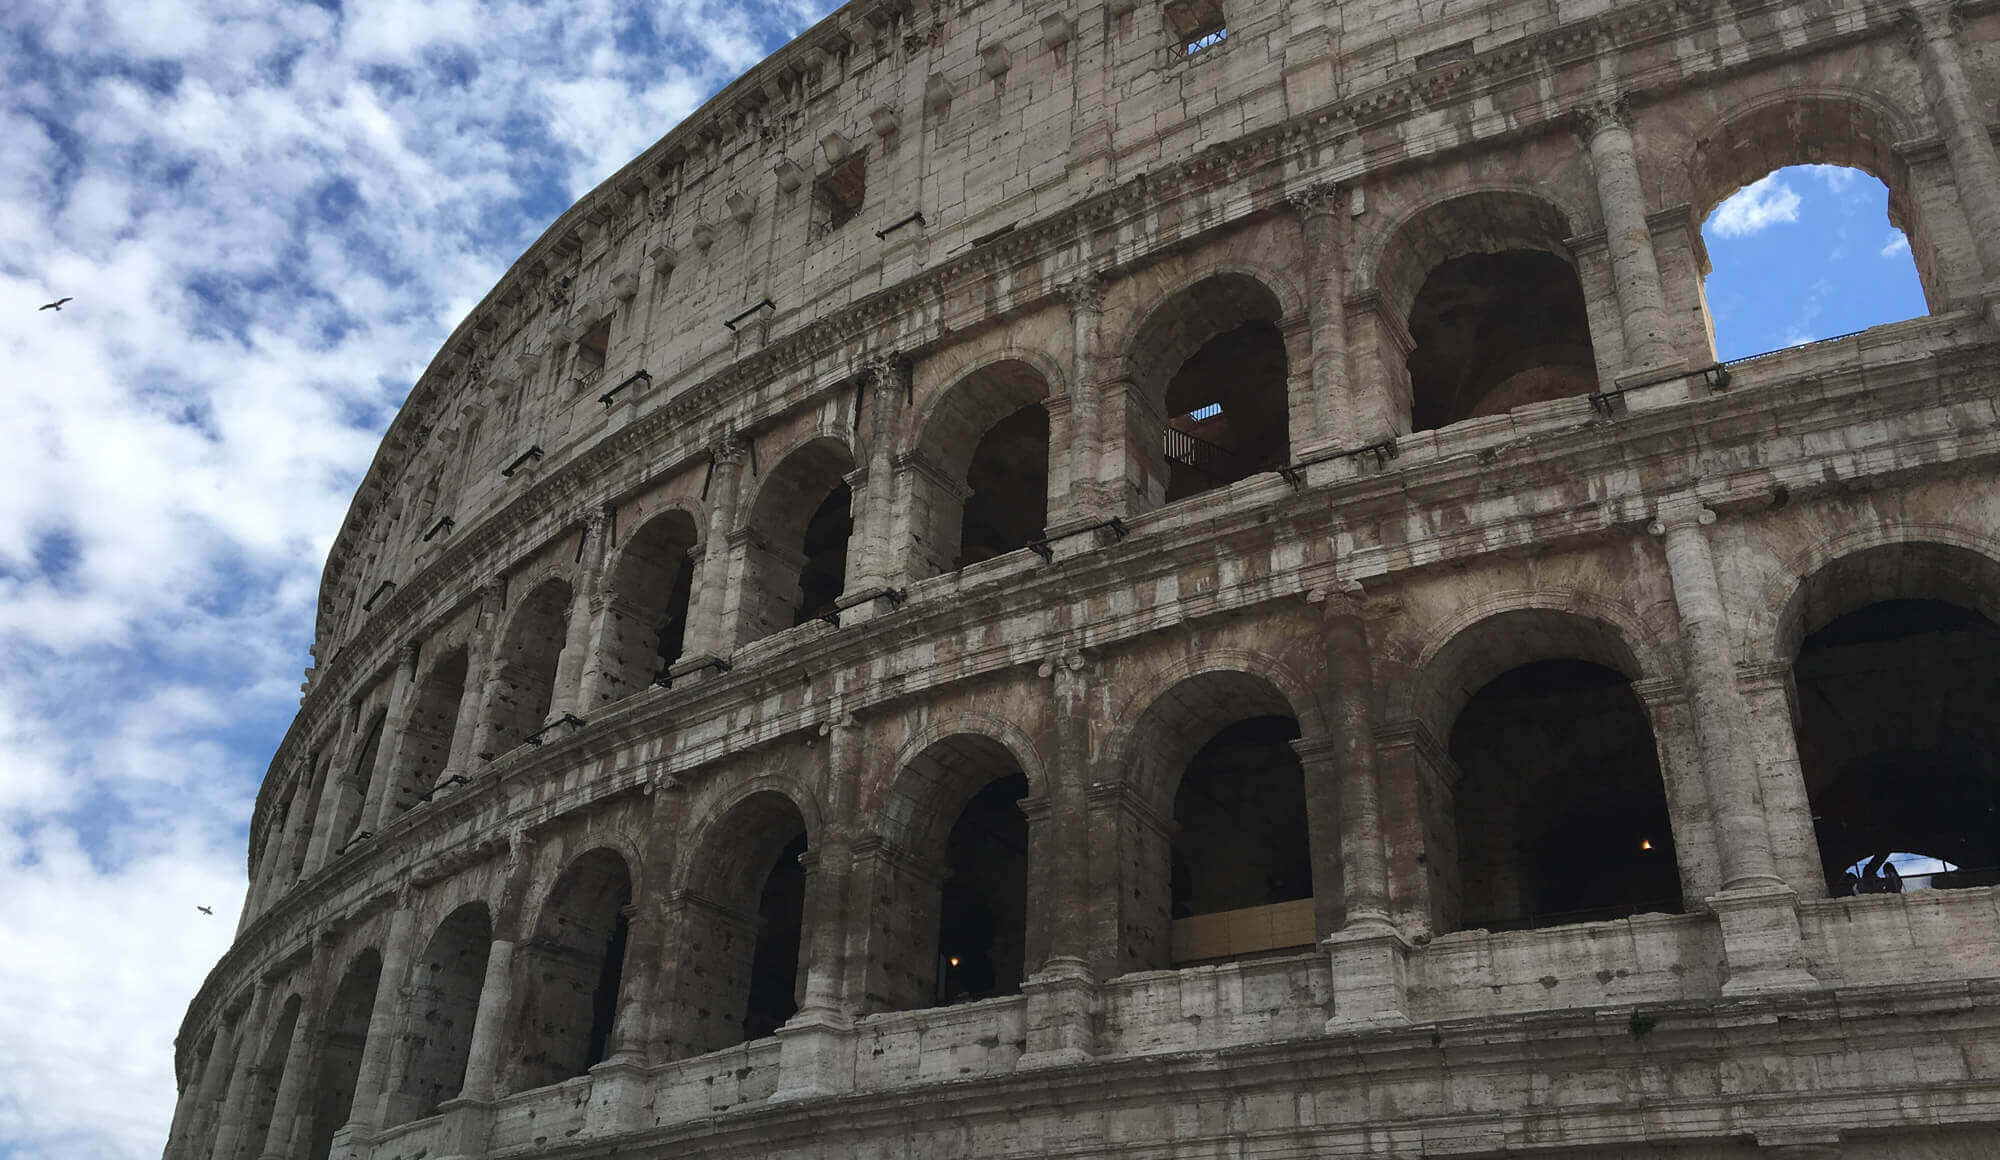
[[567, 850]]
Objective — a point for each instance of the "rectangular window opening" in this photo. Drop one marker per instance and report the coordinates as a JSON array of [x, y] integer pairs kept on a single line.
[[1208, 412], [591, 348], [1197, 24]]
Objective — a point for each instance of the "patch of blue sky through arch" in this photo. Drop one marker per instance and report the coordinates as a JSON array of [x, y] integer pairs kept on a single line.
[[1806, 253]]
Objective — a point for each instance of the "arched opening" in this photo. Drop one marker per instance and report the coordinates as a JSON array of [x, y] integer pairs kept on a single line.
[[741, 927], [1809, 225], [1494, 310], [529, 655], [425, 749], [797, 552], [1555, 809], [354, 785], [268, 1075], [574, 965], [343, 1037], [980, 484], [1898, 694], [303, 846], [1231, 873], [983, 908], [1211, 368], [1241, 852], [645, 621], [950, 883], [444, 1000]]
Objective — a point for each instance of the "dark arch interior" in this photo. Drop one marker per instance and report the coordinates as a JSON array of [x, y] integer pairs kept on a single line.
[[1899, 739], [824, 574], [354, 787], [342, 1040], [1006, 507], [1226, 410], [575, 964], [1561, 810], [443, 1002], [1241, 812], [1493, 331], [645, 622], [774, 965], [983, 911]]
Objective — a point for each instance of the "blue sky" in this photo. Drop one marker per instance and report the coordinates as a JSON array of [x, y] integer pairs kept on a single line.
[[269, 217]]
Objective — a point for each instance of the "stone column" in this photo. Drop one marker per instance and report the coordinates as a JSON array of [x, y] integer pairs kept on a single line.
[[1634, 267], [1962, 122], [1062, 991], [299, 833], [816, 1053], [1758, 912], [229, 1129], [1333, 411], [1370, 955], [322, 843], [190, 1097], [871, 565], [618, 1088], [214, 1081], [394, 732], [1319, 760], [481, 661], [710, 636], [260, 882], [1769, 697], [496, 991], [591, 607], [289, 1114], [365, 1113], [1085, 295]]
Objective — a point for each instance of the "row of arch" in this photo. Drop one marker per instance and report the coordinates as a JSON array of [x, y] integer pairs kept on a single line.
[[1551, 802]]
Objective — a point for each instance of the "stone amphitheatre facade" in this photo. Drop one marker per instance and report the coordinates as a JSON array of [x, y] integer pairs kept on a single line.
[[1169, 581]]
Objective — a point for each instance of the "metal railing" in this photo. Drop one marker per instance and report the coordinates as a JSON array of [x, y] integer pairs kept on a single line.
[[1210, 459]]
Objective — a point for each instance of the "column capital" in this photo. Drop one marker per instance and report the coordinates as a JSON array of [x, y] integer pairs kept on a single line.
[[884, 369], [1318, 200], [725, 446], [1673, 515], [1084, 292], [1606, 111], [1927, 22]]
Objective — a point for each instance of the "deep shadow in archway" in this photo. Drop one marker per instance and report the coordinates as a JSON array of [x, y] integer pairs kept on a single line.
[[1495, 331]]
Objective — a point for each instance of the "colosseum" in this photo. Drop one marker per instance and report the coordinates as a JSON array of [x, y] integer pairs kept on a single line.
[[1170, 581]]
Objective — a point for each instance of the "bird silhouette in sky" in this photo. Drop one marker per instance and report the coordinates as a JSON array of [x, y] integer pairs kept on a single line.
[[56, 305], [204, 909]]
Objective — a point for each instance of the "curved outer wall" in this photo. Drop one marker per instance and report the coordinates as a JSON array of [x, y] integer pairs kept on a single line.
[[520, 863]]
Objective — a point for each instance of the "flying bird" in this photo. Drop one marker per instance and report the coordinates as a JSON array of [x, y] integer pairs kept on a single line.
[[57, 304], [204, 909]]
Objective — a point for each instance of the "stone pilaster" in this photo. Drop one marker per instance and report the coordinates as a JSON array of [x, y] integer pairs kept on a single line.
[[290, 1117], [1635, 269], [1933, 28], [1369, 954], [230, 1121], [324, 841], [1770, 701], [1062, 990], [599, 555], [1085, 444], [1758, 912], [1335, 421], [481, 660], [586, 611], [402, 690], [492, 617], [469, 1116], [711, 632], [365, 1113], [192, 1138], [816, 1054]]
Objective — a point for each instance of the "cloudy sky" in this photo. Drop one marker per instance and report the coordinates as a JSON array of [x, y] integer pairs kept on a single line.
[[268, 216]]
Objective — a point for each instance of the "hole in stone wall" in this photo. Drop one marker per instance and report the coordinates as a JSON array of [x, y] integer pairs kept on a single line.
[[425, 747], [645, 622], [1494, 331], [983, 912], [1008, 483], [443, 1002], [839, 195], [574, 963], [1899, 743], [774, 965], [1242, 846], [1561, 810], [529, 656], [592, 347], [343, 1035]]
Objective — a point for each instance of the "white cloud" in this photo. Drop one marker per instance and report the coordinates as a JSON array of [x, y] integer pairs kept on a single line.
[[187, 433], [1897, 246], [1836, 178], [1755, 207]]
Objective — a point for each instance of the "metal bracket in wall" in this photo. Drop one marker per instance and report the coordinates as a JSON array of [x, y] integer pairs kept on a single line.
[[531, 453], [895, 596], [830, 618], [1609, 404], [569, 719], [1717, 377], [368, 605], [1041, 548], [639, 376], [666, 679], [1296, 476], [765, 304], [1383, 451], [885, 231], [444, 524]]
